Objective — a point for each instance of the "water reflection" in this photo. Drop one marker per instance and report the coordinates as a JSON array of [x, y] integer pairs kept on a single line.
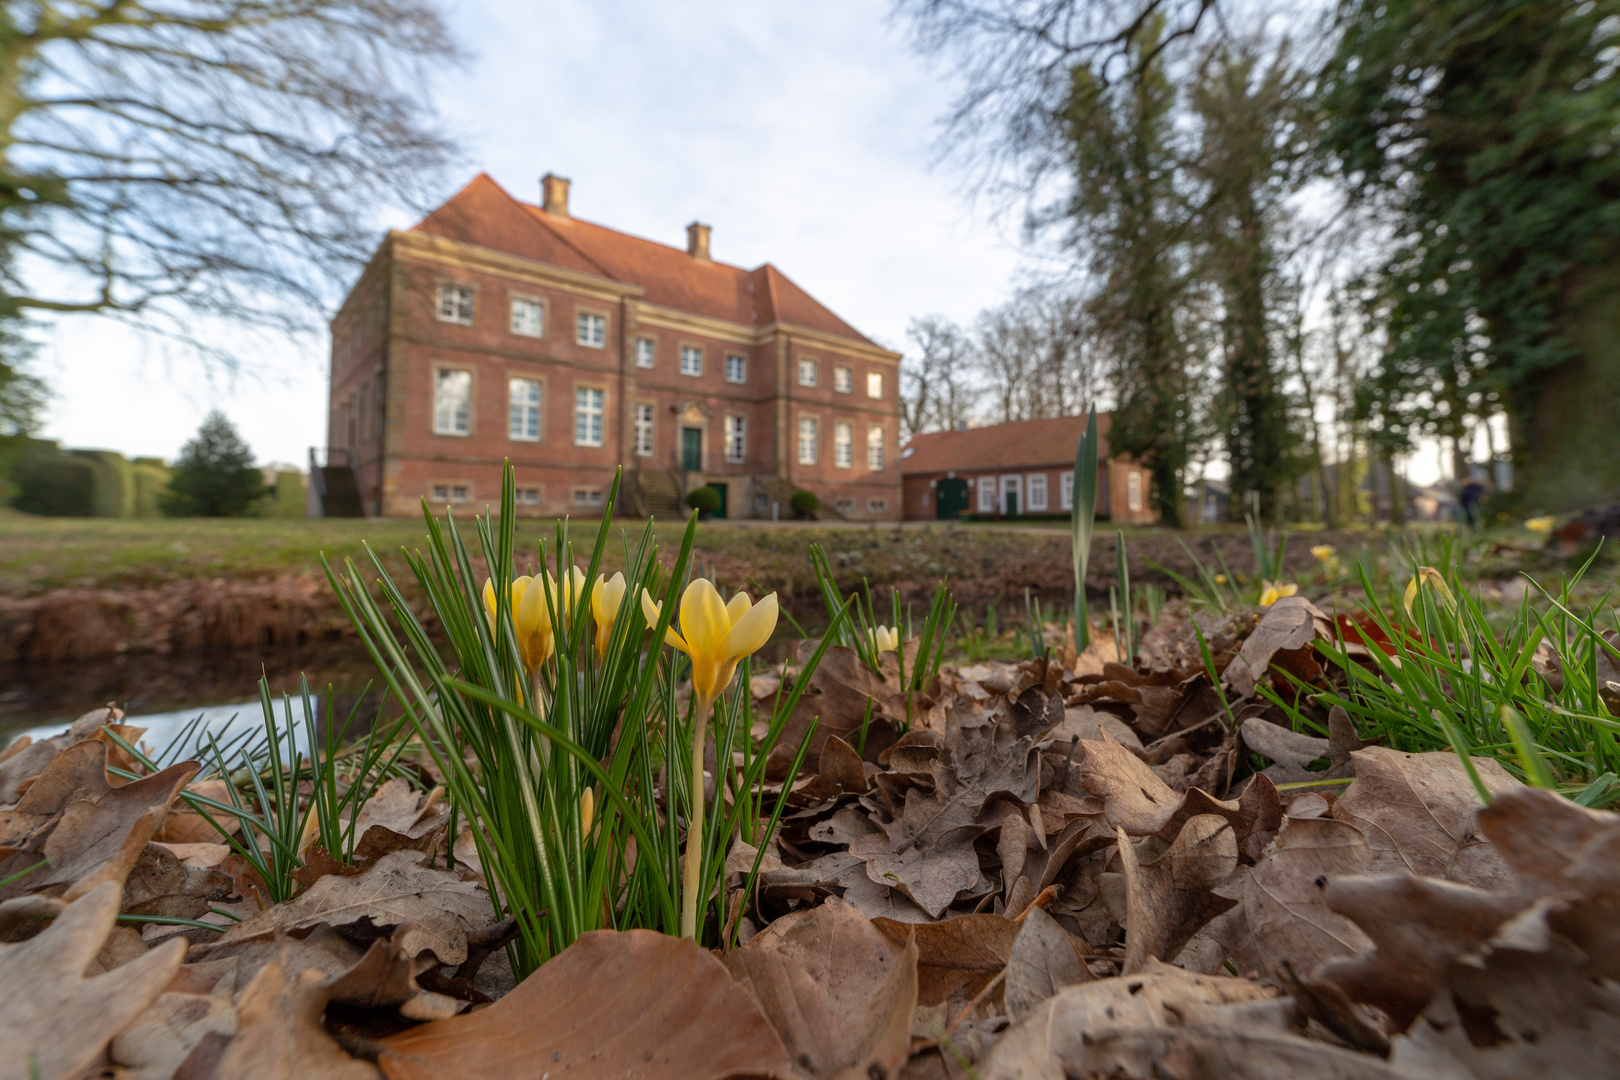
[[34, 695]]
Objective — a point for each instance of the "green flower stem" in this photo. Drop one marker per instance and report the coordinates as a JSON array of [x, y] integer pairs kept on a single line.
[[693, 867]]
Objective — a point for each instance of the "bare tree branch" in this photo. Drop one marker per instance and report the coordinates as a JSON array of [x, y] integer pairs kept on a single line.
[[163, 159]]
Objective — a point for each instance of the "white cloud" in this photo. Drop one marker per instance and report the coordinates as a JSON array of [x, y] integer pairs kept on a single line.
[[803, 133]]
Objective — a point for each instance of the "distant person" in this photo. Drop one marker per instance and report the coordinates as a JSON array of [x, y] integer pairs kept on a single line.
[[1473, 493]]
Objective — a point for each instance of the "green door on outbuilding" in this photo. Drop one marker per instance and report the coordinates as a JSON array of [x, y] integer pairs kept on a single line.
[[950, 498]]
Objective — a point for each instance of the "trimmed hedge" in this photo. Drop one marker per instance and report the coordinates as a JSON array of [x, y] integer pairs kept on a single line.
[[804, 502], [55, 486]]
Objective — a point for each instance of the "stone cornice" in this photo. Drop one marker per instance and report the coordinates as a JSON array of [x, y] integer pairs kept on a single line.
[[473, 257]]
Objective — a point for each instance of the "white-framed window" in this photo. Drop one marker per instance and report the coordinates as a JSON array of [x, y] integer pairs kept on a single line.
[[1133, 491], [646, 352], [874, 384], [736, 438], [528, 496], [589, 409], [877, 506], [454, 303], [529, 318], [1035, 485], [591, 330], [807, 371], [644, 430], [451, 493], [1066, 490], [844, 445], [1011, 494], [844, 505], [843, 380], [986, 486], [691, 360], [587, 496], [874, 449], [809, 440], [523, 398], [452, 402], [736, 368]]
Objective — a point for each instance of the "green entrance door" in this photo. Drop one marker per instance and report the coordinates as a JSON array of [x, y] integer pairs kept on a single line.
[[950, 499], [721, 488], [692, 449]]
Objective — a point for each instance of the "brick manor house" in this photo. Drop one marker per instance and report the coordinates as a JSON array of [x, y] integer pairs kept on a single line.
[[497, 329]]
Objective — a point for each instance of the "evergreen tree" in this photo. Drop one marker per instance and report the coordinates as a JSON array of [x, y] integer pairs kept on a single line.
[[1131, 220], [214, 476], [1253, 131], [1487, 130]]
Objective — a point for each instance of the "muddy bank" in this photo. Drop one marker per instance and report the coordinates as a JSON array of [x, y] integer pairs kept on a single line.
[[175, 618], [198, 617]]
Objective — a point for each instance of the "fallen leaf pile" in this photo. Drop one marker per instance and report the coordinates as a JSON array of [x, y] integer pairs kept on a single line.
[[1036, 870]]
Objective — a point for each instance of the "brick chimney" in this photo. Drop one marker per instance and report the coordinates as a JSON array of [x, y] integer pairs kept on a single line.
[[554, 194], [697, 241]]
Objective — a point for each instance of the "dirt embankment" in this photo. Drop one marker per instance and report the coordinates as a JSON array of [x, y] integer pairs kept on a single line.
[[183, 616], [189, 616]]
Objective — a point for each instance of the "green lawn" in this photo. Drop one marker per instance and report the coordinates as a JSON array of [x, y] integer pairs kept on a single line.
[[38, 554]]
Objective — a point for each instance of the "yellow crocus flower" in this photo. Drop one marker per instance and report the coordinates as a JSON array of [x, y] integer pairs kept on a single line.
[[1542, 525], [1323, 552], [716, 635], [1433, 577], [530, 617], [884, 639], [1220, 579], [1271, 593], [652, 610], [606, 597]]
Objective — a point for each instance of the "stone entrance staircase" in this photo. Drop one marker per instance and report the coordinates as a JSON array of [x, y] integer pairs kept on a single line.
[[659, 495]]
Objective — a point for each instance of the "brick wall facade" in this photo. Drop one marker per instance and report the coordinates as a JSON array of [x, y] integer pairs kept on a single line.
[[393, 348]]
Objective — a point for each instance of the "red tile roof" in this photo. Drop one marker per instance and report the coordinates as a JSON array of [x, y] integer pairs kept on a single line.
[[1023, 445], [484, 213]]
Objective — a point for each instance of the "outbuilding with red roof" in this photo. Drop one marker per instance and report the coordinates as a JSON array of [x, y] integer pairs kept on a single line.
[[1023, 469]]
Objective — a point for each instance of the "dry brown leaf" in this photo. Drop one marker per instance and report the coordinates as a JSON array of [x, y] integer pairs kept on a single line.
[[154, 1045], [607, 1006], [161, 884], [1542, 996], [1215, 1051], [26, 759], [184, 825], [279, 1034], [1417, 813], [1541, 835], [1168, 887], [53, 1021], [1417, 926], [1056, 1031], [927, 847], [1284, 914], [439, 906], [958, 957], [1287, 627], [88, 831], [1044, 959], [839, 991]]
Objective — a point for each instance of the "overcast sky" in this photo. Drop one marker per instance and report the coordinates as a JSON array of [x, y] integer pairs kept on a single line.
[[803, 133]]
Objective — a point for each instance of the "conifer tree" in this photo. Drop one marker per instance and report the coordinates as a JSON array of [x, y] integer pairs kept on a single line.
[[214, 476]]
